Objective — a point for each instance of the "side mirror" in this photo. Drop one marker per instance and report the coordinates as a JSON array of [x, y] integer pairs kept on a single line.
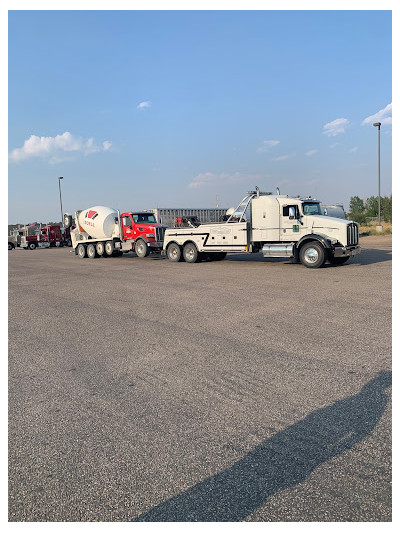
[[292, 213]]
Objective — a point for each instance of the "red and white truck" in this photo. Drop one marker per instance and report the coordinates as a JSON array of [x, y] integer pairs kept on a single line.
[[40, 236], [104, 231]]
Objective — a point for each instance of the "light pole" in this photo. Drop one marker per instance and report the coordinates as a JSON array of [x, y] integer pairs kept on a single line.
[[59, 188], [378, 125]]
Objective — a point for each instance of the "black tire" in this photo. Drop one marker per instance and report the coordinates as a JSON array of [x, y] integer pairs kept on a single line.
[[141, 248], [217, 256], [109, 248], [31, 245], [190, 253], [174, 252], [313, 255], [81, 251], [339, 260], [100, 248], [11, 246], [68, 242], [91, 251]]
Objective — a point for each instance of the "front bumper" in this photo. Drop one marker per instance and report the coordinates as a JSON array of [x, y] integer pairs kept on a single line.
[[345, 251]]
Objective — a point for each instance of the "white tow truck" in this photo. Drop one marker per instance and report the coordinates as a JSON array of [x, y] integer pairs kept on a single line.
[[274, 224]]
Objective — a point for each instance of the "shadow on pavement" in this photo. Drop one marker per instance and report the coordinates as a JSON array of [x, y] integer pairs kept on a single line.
[[281, 461], [366, 257]]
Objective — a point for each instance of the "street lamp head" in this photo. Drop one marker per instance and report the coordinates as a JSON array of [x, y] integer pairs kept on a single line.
[[377, 124], [60, 178]]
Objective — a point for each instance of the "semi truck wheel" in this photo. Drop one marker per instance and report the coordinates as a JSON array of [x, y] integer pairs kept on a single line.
[[338, 260], [32, 245], [313, 255], [174, 252], [91, 251], [190, 253], [81, 251], [109, 248], [141, 248], [100, 248]]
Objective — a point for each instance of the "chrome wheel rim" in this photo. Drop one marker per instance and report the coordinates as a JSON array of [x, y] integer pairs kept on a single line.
[[311, 255]]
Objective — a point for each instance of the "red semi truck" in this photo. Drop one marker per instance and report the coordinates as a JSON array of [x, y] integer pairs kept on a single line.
[[105, 231], [44, 236]]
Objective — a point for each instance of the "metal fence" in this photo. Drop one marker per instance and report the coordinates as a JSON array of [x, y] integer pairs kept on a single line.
[[167, 216]]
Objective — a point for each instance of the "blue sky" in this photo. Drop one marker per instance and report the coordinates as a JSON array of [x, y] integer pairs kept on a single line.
[[142, 109]]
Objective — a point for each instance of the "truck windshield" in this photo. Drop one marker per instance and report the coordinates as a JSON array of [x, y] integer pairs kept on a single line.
[[311, 208], [143, 217]]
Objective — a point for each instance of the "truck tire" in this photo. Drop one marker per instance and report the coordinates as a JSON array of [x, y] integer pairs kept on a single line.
[[313, 255], [174, 252], [109, 248], [91, 251], [141, 248], [11, 246], [81, 251], [31, 245], [100, 248], [190, 253], [338, 260]]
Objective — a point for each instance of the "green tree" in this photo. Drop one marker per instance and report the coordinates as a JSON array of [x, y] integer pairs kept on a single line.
[[357, 209], [386, 208], [372, 206]]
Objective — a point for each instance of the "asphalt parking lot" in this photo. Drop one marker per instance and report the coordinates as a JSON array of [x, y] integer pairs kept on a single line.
[[241, 390]]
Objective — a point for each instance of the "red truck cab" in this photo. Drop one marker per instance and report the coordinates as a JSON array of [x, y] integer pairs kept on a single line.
[[144, 230]]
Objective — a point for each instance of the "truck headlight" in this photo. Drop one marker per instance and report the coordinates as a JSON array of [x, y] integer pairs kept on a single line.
[[149, 234]]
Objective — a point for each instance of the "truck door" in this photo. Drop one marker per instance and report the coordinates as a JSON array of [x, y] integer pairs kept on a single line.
[[290, 222], [127, 227]]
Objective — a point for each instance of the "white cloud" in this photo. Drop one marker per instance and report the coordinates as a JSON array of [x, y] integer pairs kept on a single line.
[[384, 116], [143, 105], [266, 145], [336, 127], [310, 153], [283, 157], [58, 148], [353, 150], [210, 178]]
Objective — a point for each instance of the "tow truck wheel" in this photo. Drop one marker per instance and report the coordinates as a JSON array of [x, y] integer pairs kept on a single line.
[[11, 246], [141, 248], [313, 255], [81, 251], [32, 245], [91, 251], [338, 260], [190, 253], [174, 252], [100, 248], [109, 248]]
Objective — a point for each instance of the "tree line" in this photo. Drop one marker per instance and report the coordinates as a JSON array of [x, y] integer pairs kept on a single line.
[[360, 212]]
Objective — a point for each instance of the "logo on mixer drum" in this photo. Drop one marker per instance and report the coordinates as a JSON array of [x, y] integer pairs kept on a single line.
[[91, 214]]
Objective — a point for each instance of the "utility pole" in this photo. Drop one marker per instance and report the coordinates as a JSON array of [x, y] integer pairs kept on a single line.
[[378, 125], [59, 188]]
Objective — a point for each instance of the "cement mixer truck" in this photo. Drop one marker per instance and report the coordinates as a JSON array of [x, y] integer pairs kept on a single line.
[[104, 231]]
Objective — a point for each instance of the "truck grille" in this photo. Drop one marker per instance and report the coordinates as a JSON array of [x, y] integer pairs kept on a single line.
[[160, 234], [352, 234]]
